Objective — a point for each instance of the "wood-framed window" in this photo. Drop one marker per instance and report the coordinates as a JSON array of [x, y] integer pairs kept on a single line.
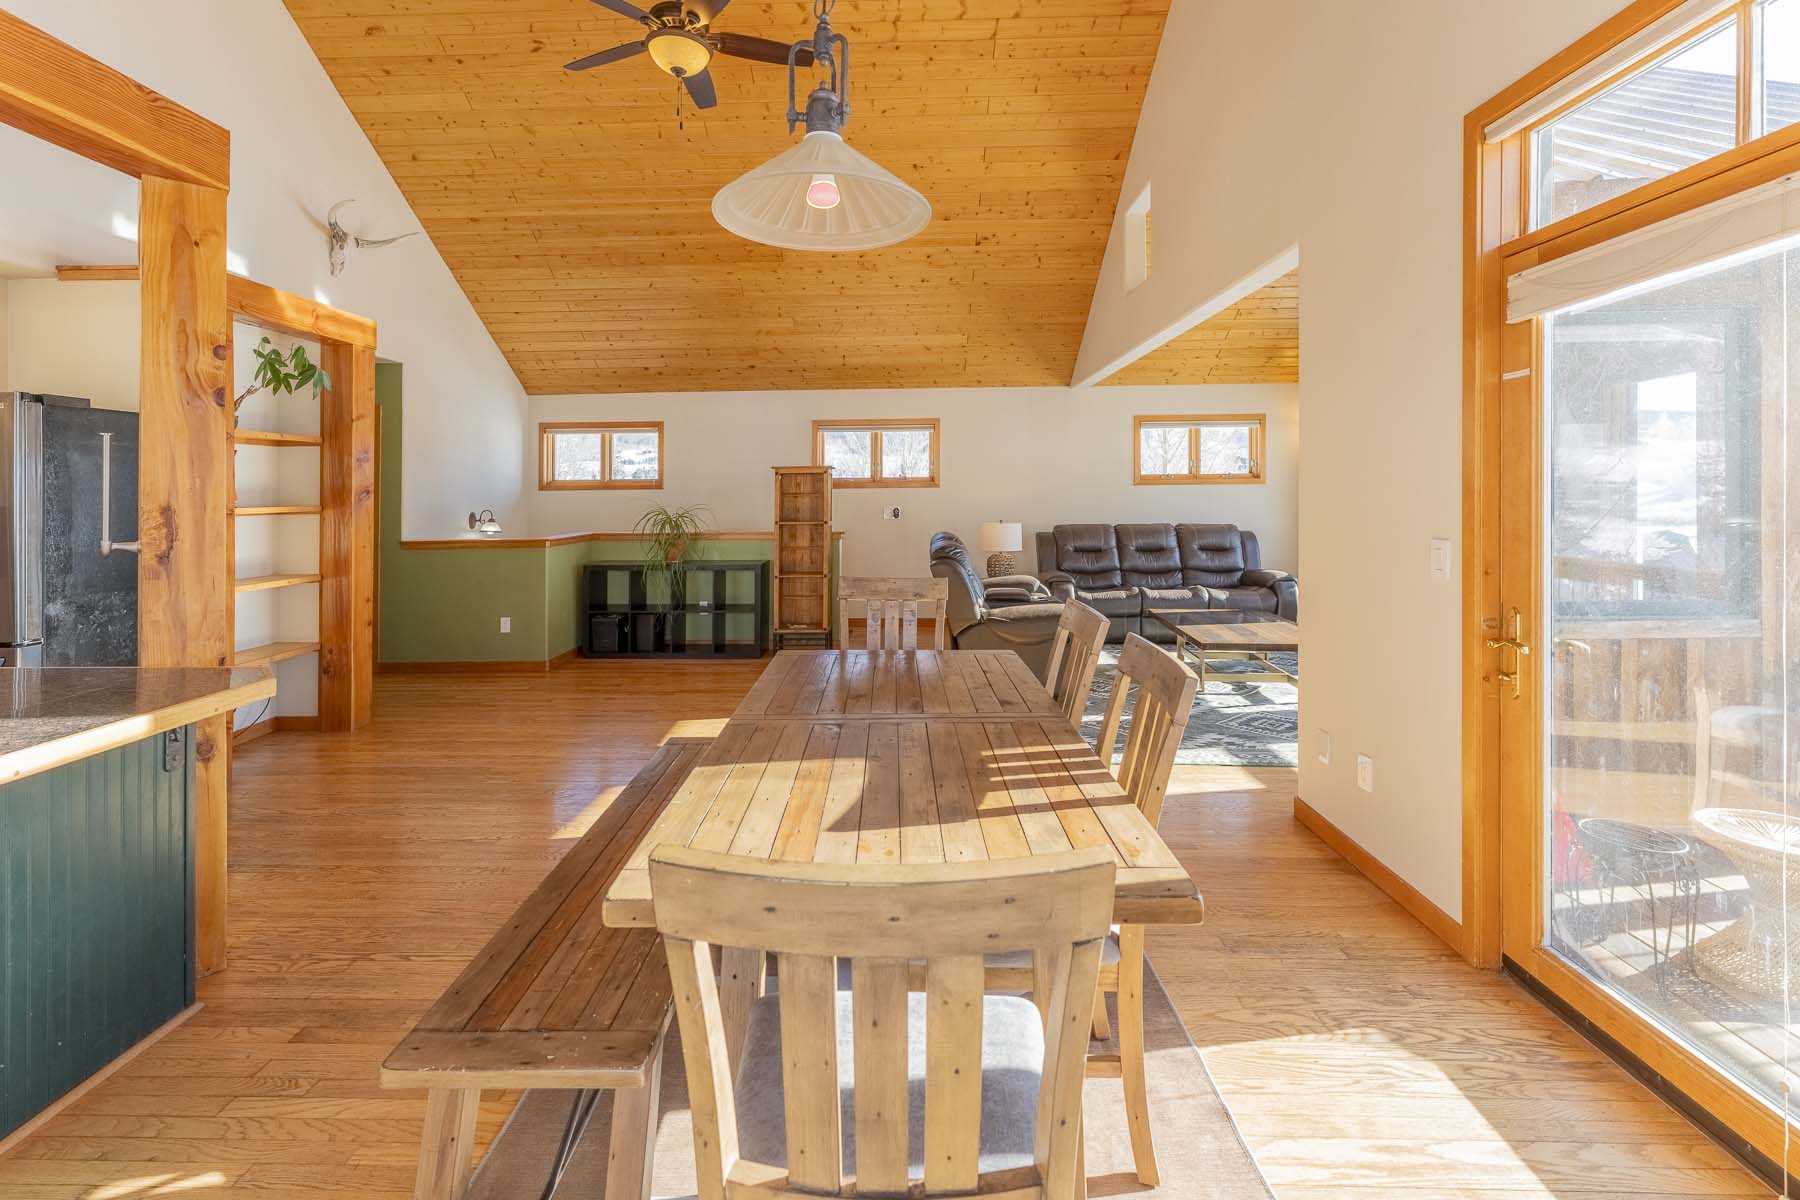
[[1209, 448], [878, 454], [599, 455]]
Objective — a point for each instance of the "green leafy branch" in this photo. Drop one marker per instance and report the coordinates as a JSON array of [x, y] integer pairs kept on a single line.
[[281, 373]]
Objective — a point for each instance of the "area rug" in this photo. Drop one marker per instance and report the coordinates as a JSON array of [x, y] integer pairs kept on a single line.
[[1197, 1144], [1233, 725]]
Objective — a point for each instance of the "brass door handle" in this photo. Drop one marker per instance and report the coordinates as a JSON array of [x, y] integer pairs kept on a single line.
[[1517, 644]]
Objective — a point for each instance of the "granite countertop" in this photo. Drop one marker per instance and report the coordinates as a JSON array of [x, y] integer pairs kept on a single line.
[[51, 716]]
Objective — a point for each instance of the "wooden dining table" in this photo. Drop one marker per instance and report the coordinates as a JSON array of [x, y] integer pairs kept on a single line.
[[924, 756]]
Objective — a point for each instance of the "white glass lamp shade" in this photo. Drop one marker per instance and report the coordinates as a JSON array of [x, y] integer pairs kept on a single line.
[[821, 194], [1002, 537]]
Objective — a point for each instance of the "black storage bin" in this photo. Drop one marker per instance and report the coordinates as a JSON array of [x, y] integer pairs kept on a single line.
[[606, 633], [646, 632]]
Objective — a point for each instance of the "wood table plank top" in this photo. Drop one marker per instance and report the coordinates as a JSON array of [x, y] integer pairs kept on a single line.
[[871, 684], [1259, 635], [968, 780]]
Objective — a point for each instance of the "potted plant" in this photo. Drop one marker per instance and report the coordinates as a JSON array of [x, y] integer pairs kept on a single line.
[[668, 534], [281, 373]]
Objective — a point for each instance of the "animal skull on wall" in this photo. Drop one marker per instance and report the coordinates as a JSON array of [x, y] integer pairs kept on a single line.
[[343, 242]]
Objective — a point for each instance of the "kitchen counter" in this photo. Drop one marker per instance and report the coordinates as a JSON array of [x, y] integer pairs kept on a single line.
[[52, 716]]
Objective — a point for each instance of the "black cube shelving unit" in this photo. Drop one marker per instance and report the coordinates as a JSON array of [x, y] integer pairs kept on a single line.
[[621, 618]]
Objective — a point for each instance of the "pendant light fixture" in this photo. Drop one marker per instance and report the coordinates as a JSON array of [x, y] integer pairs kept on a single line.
[[821, 194]]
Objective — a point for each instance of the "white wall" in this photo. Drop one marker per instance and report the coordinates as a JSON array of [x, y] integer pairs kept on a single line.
[[72, 339], [1035, 455], [295, 150], [1337, 128]]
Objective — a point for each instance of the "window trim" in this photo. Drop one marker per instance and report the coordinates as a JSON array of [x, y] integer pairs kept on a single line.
[[874, 428], [1259, 441], [547, 430]]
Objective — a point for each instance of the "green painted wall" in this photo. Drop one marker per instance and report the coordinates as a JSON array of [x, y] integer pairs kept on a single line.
[[446, 605]]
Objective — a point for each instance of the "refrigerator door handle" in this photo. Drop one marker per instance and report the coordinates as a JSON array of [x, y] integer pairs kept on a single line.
[[107, 545]]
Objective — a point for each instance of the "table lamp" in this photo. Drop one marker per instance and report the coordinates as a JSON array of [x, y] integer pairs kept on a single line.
[[1000, 539]]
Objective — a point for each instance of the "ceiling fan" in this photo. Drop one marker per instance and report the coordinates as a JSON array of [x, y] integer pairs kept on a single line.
[[682, 43]]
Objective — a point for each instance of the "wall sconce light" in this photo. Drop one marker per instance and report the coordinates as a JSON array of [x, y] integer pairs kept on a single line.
[[483, 522]]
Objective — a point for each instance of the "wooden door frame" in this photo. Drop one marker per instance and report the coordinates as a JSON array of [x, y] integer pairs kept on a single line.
[[1502, 922], [183, 163]]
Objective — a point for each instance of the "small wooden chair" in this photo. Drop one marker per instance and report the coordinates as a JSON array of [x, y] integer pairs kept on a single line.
[[1074, 657], [982, 1098], [892, 609], [1165, 688]]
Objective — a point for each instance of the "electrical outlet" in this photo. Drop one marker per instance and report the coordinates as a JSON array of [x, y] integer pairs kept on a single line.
[[1365, 772], [1324, 748], [505, 624], [891, 513]]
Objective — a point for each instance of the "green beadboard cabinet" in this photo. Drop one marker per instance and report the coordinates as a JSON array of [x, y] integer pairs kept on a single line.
[[96, 915]]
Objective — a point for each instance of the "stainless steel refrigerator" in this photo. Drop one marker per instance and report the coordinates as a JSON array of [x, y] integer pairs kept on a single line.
[[68, 507]]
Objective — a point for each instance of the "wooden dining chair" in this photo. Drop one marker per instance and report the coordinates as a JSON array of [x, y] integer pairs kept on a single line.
[[1165, 690], [1074, 657], [892, 607], [984, 1097]]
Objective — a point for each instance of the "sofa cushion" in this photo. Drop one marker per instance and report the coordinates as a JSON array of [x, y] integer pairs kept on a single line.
[[1245, 599], [1184, 598], [1113, 602], [1089, 554], [1147, 556], [1212, 556]]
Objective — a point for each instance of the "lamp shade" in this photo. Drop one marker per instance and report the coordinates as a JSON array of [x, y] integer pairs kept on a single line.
[[1001, 536], [820, 194]]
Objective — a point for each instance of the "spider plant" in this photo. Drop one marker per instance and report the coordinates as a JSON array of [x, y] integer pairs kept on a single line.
[[668, 534]]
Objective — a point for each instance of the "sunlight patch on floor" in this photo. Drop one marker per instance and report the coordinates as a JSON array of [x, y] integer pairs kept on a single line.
[[156, 1185]]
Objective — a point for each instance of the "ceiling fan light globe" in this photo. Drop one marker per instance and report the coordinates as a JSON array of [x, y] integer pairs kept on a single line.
[[678, 52]]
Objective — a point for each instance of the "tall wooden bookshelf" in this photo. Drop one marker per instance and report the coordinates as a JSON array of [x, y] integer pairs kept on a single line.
[[802, 556]]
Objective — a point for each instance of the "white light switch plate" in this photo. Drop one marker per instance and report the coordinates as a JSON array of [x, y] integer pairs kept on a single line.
[[1365, 772], [1440, 558], [1324, 748], [505, 624]]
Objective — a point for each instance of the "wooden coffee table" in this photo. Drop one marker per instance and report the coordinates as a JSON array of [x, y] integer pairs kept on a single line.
[[1212, 635]]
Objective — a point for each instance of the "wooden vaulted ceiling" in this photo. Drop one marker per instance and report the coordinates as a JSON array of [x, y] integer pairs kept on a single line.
[[575, 209], [1256, 340]]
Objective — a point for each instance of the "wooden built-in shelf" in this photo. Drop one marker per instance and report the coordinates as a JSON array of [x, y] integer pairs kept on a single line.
[[261, 437], [277, 510], [257, 583], [274, 652]]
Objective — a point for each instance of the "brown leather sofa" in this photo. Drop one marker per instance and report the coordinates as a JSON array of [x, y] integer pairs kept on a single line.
[[1010, 612], [1127, 570]]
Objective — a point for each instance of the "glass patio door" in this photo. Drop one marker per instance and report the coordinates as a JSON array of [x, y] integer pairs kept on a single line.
[[1657, 647]]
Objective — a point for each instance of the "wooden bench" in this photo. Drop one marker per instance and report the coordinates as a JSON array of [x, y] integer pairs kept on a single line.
[[555, 1000]]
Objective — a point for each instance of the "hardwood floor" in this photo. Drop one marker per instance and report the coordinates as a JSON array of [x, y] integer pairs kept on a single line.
[[1360, 1057]]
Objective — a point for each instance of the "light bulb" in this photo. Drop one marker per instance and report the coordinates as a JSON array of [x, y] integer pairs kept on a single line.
[[823, 192]]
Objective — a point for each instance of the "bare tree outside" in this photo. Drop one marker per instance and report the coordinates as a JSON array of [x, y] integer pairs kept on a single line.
[[906, 454], [1163, 450], [576, 456], [846, 452]]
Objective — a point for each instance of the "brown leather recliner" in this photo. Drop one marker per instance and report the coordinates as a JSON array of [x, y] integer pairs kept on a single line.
[[1011, 612], [1127, 570]]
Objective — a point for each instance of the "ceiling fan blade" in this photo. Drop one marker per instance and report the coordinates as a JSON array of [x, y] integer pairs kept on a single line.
[[614, 55], [704, 12], [700, 87], [625, 8], [758, 49]]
